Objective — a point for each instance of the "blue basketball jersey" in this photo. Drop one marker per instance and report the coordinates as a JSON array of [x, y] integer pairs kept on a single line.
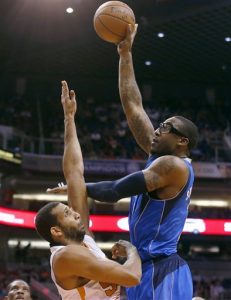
[[156, 225], [155, 228]]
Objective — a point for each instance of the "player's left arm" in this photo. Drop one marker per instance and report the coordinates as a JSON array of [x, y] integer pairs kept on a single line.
[[168, 173], [73, 167], [165, 172]]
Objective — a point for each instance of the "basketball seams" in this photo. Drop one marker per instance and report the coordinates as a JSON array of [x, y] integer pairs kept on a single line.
[[111, 16], [116, 34], [111, 20]]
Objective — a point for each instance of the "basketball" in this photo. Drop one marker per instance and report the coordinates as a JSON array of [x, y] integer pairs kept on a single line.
[[111, 20]]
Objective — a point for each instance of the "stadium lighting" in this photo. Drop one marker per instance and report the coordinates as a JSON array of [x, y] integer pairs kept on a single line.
[[55, 197], [40, 197], [148, 63], [69, 10], [160, 35], [37, 244]]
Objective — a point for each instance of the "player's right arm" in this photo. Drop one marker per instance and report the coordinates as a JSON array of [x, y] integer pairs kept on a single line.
[[73, 168], [138, 121], [74, 261]]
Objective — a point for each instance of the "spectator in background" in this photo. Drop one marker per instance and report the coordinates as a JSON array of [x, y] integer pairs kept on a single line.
[[18, 289]]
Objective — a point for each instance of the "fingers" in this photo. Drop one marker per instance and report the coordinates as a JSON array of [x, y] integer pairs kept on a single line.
[[56, 190], [72, 95], [65, 89], [65, 92], [131, 30], [115, 251], [115, 254]]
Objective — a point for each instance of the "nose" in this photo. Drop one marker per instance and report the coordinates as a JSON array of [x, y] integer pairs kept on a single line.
[[76, 214], [157, 132]]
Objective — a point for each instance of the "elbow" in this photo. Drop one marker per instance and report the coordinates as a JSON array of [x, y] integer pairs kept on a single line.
[[133, 280]]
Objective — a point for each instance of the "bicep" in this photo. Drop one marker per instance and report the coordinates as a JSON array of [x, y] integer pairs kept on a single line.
[[142, 128], [164, 172]]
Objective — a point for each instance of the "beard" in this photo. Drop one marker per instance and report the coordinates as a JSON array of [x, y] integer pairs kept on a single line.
[[74, 234]]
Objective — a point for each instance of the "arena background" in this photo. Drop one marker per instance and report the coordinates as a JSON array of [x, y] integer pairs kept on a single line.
[[182, 59]]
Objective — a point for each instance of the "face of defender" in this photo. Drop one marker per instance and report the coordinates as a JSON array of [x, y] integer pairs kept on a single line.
[[69, 222]]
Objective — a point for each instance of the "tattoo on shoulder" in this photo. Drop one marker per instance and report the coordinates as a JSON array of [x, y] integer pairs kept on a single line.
[[166, 166]]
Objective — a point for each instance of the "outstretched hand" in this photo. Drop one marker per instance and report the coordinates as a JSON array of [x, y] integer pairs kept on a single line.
[[60, 189], [68, 101], [126, 45]]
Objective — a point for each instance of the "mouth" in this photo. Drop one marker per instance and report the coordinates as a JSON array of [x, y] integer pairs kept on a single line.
[[154, 141]]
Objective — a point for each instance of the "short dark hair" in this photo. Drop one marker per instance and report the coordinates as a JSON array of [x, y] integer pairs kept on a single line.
[[45, 219], [190, 130]]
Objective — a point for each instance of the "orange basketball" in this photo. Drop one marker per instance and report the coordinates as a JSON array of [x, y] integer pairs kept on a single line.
[[111, 20]]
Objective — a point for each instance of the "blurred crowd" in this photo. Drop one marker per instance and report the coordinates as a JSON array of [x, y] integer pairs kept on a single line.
[[209, 212], [25, 272], [210, 288], [103, 130]]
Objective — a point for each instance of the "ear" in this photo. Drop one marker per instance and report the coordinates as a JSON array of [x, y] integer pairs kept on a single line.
[[183, 141], [56, 231]]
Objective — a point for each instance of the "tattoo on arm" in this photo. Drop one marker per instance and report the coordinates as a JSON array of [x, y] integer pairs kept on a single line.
[[155, 175]]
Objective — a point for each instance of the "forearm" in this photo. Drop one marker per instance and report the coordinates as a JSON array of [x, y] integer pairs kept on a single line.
[[138, 121], [112, 191], [72, 158], [133, 263], [129, 91]]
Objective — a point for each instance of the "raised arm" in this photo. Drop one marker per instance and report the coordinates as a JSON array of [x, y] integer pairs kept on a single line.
[[159, 176], [72, 158], [138, 121]]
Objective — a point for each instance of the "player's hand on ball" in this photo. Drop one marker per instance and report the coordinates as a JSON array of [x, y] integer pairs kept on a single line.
[[126, 45]]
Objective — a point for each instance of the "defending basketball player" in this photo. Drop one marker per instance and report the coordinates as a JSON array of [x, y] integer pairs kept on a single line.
[[79, 268]]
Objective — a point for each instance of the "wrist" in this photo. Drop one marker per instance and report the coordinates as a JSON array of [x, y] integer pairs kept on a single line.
[[131, 251], [125, 54], [68, 117]]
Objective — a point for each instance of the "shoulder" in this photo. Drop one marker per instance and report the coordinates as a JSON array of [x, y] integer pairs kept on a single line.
[[168, 163], [70, 253], [68, 257]]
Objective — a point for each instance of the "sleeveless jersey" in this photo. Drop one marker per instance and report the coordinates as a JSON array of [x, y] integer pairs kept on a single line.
[[92, 290], [156, 225]]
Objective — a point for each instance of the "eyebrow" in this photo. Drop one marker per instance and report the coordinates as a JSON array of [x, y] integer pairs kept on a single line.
[[17, 286], [66, 209]]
